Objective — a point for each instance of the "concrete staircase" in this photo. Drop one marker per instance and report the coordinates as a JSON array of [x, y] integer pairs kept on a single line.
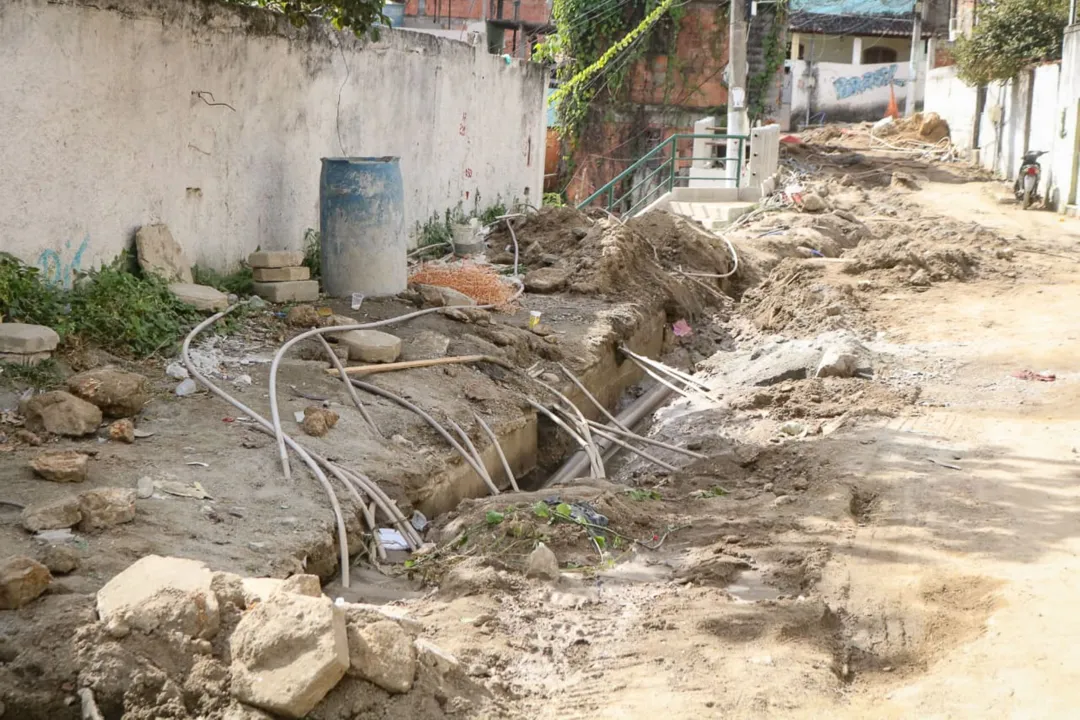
[[712, 215]]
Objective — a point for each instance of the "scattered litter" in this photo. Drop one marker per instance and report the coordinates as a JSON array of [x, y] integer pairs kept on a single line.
[[144, 433], [228, 419], [177, 371], [307, 396], [298, 416], [195, 490], [419, 521], [242, 380], [534, 319], [682, 329], [1044, 376], [55, 536], [944, 465], [256, 303], [186, 388], [199, 464], [357, 300], [392, 540]]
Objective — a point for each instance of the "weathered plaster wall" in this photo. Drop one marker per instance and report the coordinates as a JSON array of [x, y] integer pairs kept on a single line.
[[955, 102], [841, 92], [108, 123]]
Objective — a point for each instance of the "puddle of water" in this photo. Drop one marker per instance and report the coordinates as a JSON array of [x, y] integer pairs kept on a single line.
[[749, 586], [637, 570]]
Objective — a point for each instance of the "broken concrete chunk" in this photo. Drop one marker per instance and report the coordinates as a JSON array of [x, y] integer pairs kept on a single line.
[[837, 362], [813, 203], [436, 296], [308, 585], [106, 507], [21, 581], [257, 590], [288, 653], [122, 431], [61, 413], [372, 346], [427, 345], [546, 280], [159, 254], [318, 421], [275, 259], [229, 588], [162, 594], [293, 291], [542, 564], [118, 393], [434, 657], [53, 515], [283, 274], [383, 653], [64, 466], [201, 297], [60, 559], [24, 339]]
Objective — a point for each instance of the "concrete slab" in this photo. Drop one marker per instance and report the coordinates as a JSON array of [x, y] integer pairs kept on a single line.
[[25, 339], [293, 291], [202, 297], [371, 346], [284, 274], [275, 259]]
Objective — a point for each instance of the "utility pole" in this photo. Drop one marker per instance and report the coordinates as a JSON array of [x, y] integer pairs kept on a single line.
[[916, 58], [737, 122]]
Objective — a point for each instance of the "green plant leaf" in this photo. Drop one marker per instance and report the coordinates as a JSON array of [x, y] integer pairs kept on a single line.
[[541, 510], [494, 517]]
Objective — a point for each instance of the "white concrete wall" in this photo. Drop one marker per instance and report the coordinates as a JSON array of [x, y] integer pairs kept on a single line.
[[1064, 159], [102, 129], [954, 101], [842, 92]]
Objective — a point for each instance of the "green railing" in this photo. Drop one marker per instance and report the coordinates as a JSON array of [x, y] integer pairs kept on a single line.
[[665, 176]]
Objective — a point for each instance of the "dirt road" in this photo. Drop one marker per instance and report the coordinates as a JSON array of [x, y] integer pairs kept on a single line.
[[930, 571]]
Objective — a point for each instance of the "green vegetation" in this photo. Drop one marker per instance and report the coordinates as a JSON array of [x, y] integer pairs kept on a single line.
[[313, 253], [45, 374], [239, 282], [360, 16], [554, 200], [639, 494], [1011, 35]]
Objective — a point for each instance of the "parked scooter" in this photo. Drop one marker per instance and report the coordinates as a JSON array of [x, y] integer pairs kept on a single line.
[[1026, 187]]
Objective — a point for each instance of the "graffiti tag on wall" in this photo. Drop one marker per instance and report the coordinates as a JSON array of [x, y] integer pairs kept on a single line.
[[857, 84], [54, 269]]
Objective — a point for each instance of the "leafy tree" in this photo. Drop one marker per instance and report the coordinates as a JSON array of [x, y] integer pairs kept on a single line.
[[360, 16], [1010, 36]]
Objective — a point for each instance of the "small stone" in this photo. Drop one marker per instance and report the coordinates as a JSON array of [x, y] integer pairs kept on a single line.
[[837, 362], [792, 428], [293, 291], [813, 203], [256, 303], [782, 500], [228, 588], [436, 296], [144, 488], [542, 564], [546, 280], [64, 466], [371, 346], [382, 653], [28, 438], [201, 297], [26, 339], [53, 515], [920, 279], [106, 507], [60, 559], [318, 421], [122, 431], [275, 259], [159, 254], [579, 233], [21, 581], [61, 413], [304, 316], [118, 393], [337, 320], [285, 274], [768, 487]]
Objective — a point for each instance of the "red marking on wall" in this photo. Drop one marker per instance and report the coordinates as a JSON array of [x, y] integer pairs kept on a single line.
[[463, 128], [468, 172]]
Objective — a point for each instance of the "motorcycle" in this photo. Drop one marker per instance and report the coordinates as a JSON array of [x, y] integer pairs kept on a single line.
[[1027, 181]]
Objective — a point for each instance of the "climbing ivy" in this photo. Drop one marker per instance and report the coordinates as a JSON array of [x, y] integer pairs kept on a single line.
[[360, 16], [774, 51]]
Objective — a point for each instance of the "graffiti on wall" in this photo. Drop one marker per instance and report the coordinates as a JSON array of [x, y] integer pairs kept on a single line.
[[61, 267], [857, 84]]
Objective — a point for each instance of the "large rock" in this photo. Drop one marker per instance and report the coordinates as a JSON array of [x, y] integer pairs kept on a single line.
[[372, 346], [106, 507], [542, 564], [24, 339], [162, 594], [546, 280], [288, 653], [117, 392], [21, 580], [159, 254], [436, 296], [201, 297], [383, 653], [65, 466], [60, 559], [53, 515], [61, 413]]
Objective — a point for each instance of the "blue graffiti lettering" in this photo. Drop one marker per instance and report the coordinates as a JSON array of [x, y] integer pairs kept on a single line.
[[53, 268], [858, 84]]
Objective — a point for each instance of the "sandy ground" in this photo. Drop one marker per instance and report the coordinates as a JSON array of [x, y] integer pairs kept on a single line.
[[895, 586]]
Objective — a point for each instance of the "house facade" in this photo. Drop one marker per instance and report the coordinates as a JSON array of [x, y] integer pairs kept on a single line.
[[506, 27]]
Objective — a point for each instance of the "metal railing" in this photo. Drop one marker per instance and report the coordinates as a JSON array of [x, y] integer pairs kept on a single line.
[[669, 170]]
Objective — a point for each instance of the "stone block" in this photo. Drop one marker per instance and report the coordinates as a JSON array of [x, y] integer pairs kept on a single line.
[[106, 507], [285, 274], [288, 653], [21, 580], [201, 297], [294, 291], [382, 653], [546, 280], [60, 413], [275, 259], [53, 515], [63, 466], [25, 339], [372, 346], [24, 359], [159, 254], [162, 594]]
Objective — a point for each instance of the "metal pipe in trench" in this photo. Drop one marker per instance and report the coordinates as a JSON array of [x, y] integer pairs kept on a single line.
[[579, 461]]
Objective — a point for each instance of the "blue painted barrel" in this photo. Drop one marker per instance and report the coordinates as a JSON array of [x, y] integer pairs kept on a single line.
[[395, 13], [362, 226]]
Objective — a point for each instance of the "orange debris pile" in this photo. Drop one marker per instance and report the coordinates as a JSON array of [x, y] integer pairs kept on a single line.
[[480, 282]]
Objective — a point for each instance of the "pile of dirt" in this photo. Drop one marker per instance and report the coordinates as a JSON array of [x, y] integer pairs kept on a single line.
[[643, 259], [821, 398], [797, 299]]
